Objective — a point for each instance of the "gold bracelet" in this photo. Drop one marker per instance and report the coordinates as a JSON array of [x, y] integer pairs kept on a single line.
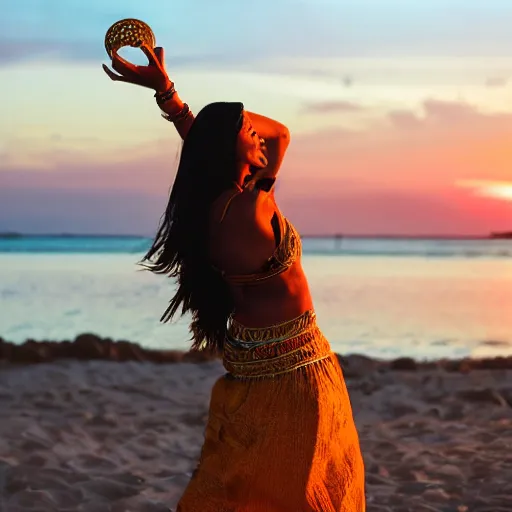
[[179, 116], [162, 97]]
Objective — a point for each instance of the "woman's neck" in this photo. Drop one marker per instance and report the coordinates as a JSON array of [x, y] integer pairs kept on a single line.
[[244, 170]]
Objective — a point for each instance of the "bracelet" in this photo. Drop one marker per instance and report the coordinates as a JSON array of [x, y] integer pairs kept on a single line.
[[162, 97], [179, 116]]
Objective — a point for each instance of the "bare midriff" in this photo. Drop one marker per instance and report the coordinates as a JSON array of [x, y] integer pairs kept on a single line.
[[274, 300]]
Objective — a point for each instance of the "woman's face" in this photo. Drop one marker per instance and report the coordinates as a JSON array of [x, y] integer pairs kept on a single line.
[[250, 148]]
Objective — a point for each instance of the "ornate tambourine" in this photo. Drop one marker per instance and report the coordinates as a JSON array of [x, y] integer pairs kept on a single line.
[[128, 32]]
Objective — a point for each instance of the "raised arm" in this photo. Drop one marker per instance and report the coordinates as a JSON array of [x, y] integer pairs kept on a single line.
[[154, 76], [174, 110], [277, 139]]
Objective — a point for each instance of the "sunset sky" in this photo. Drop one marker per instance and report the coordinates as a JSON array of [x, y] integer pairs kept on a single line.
[[400, 111]]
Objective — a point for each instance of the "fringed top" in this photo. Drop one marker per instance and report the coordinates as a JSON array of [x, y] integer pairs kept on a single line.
[[285, 254]]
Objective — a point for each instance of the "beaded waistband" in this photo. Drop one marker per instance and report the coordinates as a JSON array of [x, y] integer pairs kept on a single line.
[[278, 332], [274, 350]]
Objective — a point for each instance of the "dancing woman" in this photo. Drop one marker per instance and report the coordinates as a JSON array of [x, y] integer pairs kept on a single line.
[[280, 435]]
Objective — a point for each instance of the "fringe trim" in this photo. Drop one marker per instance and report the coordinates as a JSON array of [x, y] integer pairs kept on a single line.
[[289, 346]]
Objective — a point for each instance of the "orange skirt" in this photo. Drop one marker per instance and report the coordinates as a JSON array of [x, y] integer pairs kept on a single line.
[[280, 435]]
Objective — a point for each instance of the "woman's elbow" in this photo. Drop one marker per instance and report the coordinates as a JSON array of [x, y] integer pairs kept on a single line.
[[284, 135]]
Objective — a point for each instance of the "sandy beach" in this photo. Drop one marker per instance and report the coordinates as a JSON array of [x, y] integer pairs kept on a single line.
[[101, 435]]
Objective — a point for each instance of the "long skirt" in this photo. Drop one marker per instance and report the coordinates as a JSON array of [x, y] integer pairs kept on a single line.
[[280, 435]]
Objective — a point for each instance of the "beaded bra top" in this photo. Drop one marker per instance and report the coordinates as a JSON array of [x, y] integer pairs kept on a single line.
[[286, 253]]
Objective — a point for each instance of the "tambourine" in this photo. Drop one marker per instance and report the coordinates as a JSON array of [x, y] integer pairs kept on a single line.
[[128, 32]]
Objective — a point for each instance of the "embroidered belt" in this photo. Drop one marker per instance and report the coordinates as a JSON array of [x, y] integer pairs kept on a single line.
[[270, 351]]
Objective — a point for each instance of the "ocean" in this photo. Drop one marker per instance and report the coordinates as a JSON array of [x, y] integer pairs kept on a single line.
[[379, 297]]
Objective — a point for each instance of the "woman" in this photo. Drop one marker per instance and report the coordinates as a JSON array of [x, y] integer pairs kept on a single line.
[[280, 435]]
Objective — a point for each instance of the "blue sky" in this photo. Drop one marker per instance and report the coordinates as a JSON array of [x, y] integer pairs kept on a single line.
[[321, 28], [389, 103]]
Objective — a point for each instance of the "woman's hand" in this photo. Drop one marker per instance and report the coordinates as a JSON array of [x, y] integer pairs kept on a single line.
[[153, 76]]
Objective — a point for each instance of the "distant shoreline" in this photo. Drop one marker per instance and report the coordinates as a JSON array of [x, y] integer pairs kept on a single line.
[[330, 236]]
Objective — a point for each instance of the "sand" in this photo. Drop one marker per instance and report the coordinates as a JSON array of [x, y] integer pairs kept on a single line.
[[102, 436]]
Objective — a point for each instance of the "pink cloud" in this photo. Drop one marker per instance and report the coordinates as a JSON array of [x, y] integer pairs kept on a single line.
[[398, 212], [448, 142], [398, 176]]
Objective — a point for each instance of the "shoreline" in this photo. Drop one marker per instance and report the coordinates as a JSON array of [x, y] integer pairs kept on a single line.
[[88, 346]]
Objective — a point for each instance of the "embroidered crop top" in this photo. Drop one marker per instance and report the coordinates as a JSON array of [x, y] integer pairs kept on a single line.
[[288, 251]]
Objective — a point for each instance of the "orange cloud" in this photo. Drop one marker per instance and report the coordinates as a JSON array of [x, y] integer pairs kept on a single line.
[[400, 175], [443, 144]]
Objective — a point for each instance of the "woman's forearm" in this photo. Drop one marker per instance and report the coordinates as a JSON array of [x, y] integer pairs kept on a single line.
[[265, 127], [173, 107], [268, 128], [277, 139]]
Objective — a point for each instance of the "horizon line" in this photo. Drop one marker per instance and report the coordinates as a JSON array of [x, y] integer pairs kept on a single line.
[[338, 236]]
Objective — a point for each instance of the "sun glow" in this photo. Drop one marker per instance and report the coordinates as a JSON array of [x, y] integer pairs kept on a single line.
[[494, 189]]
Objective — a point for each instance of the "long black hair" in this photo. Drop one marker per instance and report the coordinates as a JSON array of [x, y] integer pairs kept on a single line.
[[180, 250]]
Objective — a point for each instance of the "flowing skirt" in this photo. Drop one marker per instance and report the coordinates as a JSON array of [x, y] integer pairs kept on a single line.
[[280, 435]]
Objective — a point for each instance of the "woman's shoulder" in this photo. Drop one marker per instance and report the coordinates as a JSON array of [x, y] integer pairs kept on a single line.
[[240, 206], [243, 242], [241, 220]]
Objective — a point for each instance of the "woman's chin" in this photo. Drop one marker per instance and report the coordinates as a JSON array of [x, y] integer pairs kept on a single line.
[[261, 162], [257, 166]]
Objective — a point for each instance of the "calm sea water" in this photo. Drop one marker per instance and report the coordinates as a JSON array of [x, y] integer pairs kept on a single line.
[[381, 297]]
